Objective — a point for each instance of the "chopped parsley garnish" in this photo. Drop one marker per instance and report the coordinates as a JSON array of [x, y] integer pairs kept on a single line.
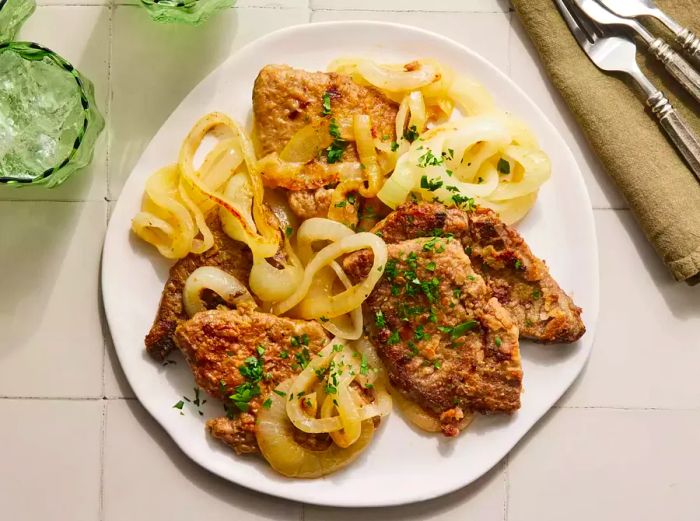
[[288, 231], [352, 199], [323, 318], [394, 338], [497, 341], [518, 264], [430, 266], [503, 166], [463, 201], [457, 292], [429, 159], [413, 348], [179, 405], [536, 294], [334, 152], [260, 349], [379, 319], [267, 403], [420, 334], [364, 368], [437, 364], [394, 146], [252, 371], [459, 329], [341, 204], [326, 105], [279, 393], [284, 354], [303, 358], [430, 184], [410, 134], [337, 348], [390, 270]]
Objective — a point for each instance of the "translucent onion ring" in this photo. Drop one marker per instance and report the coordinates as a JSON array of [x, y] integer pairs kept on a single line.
[[344, 301], [274, 434], [220, 282]]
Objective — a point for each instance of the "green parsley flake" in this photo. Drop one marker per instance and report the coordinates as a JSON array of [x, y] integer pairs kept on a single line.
[[288, 231], [411, 134], [260, 349], [279, 393], [536, 294], [459, 329], [267, 403], [430, 266], [437, 364], [394, 146], [497, 341], [503, 166], [326, 105], [394, 338], [179, 405], [379, 319], [364, 368], [430, 184], [429, 159]]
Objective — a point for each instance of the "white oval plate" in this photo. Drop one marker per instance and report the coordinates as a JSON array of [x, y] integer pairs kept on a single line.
[[402, 465]]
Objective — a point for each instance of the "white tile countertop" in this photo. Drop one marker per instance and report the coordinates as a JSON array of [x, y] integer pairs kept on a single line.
[[74, 443]]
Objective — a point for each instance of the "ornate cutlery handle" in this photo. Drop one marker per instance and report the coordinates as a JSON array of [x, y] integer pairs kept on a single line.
[[690, 44], [677, 66], [676, 129]]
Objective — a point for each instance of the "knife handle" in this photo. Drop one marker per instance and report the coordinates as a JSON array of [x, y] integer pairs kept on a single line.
[[690, 44], [680, 69], [676, 129]]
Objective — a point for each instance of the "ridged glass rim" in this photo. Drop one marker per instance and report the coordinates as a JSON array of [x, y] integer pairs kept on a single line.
[[28, 51], [166, 3]]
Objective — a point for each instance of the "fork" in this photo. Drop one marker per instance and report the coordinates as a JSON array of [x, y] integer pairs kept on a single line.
[[680, 69], [617, 54], [636, 8]]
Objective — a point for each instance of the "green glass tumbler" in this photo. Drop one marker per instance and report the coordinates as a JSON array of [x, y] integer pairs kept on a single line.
[[13, 13], [193, 12], [49, 121]]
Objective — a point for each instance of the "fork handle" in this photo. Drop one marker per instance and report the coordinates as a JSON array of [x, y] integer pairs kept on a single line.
[[690, 44], [677, 130], [677, 67]]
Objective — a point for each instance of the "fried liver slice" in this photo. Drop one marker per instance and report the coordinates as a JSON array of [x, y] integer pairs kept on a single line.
[[519, 280], [285, 100], [446, 343], [231, 256], [216, 344]]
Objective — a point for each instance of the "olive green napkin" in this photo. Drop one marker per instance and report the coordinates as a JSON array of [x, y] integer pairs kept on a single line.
[[659, 188]]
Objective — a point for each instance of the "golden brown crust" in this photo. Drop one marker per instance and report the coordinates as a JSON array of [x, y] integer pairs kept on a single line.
[[217, 343], [231, 256], [447, 345], [518, 279]]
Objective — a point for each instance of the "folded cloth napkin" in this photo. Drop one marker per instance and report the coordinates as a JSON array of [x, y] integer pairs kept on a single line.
[[658, 186]]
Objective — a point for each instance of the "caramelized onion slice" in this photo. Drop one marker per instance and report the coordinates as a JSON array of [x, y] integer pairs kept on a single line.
[[217, 280], [275, 435]]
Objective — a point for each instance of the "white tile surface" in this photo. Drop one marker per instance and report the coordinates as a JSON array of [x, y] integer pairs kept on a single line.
[[115, 382], [155, 66], [646, 352], [492, 6], [51, 340], [527, 72], [50, 453], [591, 464], [470, 29], [148, 477], [483, 501], [88, 50]]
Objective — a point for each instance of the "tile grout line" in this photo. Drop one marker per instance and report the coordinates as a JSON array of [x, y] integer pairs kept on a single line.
[[101, 512]]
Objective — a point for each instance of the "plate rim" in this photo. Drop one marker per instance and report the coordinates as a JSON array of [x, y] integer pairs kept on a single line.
[[588, 222]]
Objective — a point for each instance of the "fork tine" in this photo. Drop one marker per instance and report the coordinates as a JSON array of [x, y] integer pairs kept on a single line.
[[583, 38]]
